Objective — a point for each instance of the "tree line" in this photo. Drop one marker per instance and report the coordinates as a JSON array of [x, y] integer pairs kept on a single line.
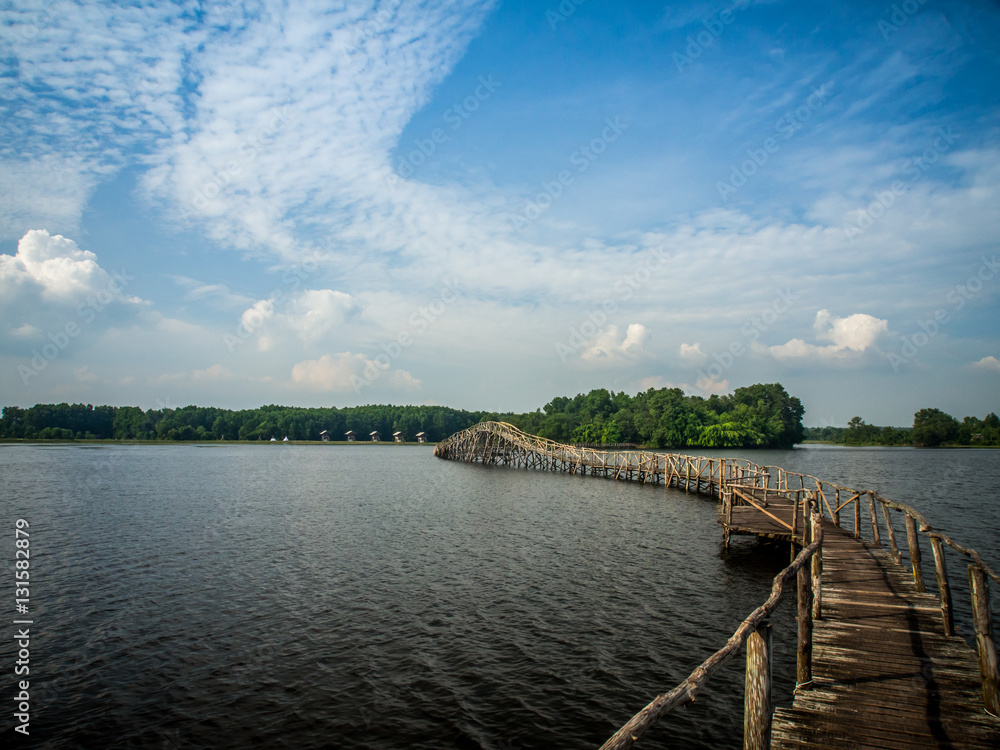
[[84, 421], [757, 416], [931, 428]]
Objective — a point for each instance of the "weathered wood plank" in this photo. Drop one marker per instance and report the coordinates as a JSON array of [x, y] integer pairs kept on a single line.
[[883, 673]]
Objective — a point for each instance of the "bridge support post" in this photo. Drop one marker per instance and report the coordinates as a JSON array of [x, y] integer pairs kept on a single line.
[[757, 696], [913, 542], [795, 522], [874, 518], [817, 568], [857, 516], [986, 649], [727, 516], [944, 590], [803, 655], [896, 557]]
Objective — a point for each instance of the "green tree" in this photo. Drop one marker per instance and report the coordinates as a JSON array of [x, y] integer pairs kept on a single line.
[[933, 427]]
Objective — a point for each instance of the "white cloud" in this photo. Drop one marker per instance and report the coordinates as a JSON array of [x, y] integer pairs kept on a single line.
[[692, 353], [855, 332], [212, 374], [26, 331], [51, 283], [989, 364], [80, 71], [851, 336], [708, 386], [317, 312], [658, 381], [218, 294], [607, 347], [311, 315], [258, 154], [56, 267], [84, 375], [349, 372]]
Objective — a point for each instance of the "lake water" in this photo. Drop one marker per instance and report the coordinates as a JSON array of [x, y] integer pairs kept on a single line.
[[376, 597]]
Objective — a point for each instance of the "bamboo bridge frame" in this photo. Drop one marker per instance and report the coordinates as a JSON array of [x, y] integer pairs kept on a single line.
[[878, 661]]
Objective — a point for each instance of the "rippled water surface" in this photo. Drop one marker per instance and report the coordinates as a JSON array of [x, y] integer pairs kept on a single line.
[[376, 597]]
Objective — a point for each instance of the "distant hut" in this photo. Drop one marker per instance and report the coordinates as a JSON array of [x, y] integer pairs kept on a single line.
[[375, 435], [398, 437], [273, 439], [286, 439], [325, 436], [421, 437], [351, 436]]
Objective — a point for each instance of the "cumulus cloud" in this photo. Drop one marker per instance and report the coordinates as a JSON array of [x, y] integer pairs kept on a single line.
[[709, 385], [50, 282], [56, 268], [658, 381], [607, 347], [84, 375], [347, 372], [692, 353], [851, 336], [989, 364], [855, 332], [311, 315]]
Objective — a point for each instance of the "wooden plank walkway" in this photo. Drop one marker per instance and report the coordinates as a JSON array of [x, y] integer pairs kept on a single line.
[[884, 675]]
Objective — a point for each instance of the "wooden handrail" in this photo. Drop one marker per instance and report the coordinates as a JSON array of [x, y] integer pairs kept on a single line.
[[750, 500], [685, 693]]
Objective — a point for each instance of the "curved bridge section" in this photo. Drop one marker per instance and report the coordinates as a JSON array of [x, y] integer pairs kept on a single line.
[[504, 444]]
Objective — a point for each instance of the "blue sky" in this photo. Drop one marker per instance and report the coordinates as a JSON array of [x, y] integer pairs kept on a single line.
[[485, 205]]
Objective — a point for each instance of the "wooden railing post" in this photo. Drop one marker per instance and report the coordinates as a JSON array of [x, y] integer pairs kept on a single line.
[[727, 510], [874, 518], [836, 506], [986, 650], [803, 656], [944, 590], [817, 568], [757, 696], [893, 549], [913, 542], [857, 516]]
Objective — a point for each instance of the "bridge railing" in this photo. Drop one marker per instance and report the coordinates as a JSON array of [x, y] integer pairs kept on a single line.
[[755, 633], [484, 440], [979, 573]]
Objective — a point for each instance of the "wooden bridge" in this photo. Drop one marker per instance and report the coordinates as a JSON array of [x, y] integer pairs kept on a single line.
[[878, 662]]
